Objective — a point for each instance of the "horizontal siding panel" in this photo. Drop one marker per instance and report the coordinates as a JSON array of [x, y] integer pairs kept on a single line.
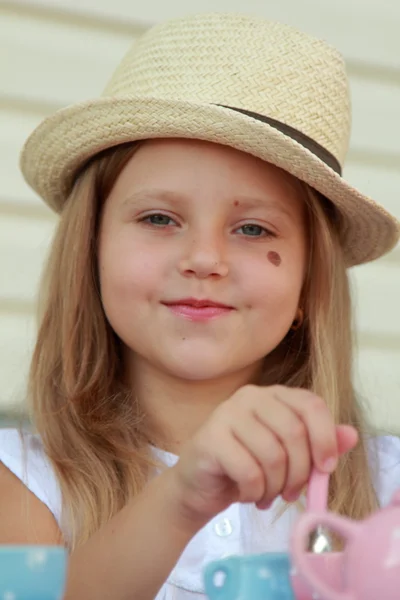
[[364, 30], [377, 381], [57, 62], [17, 335], [380, 183], [15, 126], [376, 298], [376, 123], [24, 244]]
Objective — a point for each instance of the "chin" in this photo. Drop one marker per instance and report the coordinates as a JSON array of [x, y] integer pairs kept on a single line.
[[191, 365], [199, 371], [202, 366]]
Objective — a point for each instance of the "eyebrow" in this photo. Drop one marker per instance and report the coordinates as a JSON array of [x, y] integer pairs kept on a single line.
[[145, 195], [247, 202], [265, 202]]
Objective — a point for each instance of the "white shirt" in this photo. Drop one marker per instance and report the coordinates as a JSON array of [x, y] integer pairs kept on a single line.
[[240, 529]]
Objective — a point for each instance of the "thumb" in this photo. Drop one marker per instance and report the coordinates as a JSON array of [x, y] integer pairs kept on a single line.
[[347, 438]]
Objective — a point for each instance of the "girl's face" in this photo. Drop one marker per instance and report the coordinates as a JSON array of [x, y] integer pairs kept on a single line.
[[202, 255]]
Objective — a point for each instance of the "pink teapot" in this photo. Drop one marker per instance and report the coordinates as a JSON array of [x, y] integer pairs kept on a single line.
[[371, 559]]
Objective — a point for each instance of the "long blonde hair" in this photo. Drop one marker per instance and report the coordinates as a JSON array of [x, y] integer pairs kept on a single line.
[[93, 429]]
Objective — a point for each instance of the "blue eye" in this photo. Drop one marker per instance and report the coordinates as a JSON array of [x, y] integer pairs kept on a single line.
[[158, 219], [253, 230]]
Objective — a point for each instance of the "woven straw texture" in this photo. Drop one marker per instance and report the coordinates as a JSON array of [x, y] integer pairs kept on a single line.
[[175, 81]]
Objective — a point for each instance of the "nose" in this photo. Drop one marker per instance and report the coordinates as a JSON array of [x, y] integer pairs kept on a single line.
[[204, 257]]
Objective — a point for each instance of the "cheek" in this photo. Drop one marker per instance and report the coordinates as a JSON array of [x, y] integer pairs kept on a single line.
[[273, 283], [125, 270]]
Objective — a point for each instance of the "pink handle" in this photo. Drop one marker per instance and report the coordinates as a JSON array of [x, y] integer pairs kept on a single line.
[[301, 532], [317, 491]]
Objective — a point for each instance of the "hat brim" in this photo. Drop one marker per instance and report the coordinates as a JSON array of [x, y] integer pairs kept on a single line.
[[63, 142]]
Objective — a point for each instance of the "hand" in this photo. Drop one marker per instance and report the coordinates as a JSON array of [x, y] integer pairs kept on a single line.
[[260, 443]]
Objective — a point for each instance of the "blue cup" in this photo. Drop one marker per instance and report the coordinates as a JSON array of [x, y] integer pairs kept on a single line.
[[253, 577], [32, 572]]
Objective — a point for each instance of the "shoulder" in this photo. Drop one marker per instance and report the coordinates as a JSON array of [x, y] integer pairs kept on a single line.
[[23, 454], [384, 454]]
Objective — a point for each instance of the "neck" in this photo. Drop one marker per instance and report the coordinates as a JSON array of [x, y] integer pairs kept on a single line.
[[176, 408]]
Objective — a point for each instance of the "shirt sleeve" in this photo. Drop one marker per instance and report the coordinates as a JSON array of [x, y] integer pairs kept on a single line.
[[23, 454]]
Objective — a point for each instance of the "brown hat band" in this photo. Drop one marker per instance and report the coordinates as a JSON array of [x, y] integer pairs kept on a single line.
[[311, 145]]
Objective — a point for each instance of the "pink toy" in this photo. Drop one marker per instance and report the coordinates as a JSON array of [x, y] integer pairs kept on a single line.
[[328, 565], [329, 568], [317, 492], [371, 559]]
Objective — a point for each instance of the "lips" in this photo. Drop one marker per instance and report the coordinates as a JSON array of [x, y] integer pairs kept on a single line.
[[196, 303], [195, 309]]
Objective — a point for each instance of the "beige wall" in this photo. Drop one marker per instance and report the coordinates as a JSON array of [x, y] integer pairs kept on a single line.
[[59, 51]]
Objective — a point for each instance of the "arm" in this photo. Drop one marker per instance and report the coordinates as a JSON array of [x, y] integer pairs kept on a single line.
[[129, 558], [24, 520]]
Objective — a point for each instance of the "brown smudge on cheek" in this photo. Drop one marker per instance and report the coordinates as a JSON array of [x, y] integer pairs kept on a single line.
[[236, 203], [274, 258]]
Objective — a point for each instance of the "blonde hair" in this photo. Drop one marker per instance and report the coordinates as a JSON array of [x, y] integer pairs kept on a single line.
[[93, 429]]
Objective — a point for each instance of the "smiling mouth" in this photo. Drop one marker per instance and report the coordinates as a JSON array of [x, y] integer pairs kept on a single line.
[[195, 309]]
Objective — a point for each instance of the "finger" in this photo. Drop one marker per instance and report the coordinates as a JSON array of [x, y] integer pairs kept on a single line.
[[292, 433], [267, 450], [347, 438], [321, 429], [240, 467]]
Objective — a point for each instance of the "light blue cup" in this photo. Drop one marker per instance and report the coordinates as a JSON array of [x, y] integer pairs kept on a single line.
[[253, 577], [32, 572]]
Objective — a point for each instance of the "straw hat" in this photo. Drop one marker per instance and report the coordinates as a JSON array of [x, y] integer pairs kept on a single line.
[[258, 86]]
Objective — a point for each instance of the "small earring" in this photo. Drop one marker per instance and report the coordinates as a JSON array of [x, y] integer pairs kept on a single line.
[[298, 322]]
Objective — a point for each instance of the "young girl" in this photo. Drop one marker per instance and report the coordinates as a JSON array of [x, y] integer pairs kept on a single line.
[[194, 352]]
